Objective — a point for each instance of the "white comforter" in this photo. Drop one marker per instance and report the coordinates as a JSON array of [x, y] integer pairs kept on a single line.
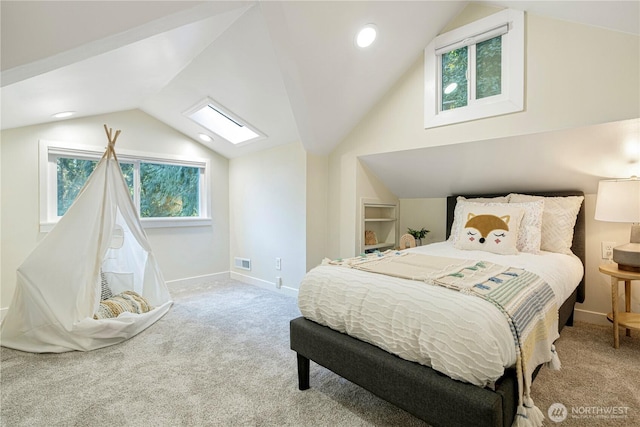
[[462, 336]]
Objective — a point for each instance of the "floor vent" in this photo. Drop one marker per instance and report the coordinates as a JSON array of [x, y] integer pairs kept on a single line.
[[243, 263]]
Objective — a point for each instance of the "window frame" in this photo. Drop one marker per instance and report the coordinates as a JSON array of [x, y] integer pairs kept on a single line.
[[49, 151], [511, 98]]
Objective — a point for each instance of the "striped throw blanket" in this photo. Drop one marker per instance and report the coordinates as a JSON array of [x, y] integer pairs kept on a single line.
[[527, 302]]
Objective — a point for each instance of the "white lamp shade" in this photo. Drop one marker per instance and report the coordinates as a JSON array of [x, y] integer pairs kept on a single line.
[[618, 200]]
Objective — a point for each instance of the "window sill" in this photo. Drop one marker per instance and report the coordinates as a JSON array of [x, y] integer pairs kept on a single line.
[[175, 222], [45, 227]]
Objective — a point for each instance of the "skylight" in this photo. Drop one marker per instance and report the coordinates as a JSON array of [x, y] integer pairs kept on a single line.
[[223, 123]]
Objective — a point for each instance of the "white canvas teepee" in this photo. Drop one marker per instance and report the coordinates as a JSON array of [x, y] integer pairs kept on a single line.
[[58, 286]]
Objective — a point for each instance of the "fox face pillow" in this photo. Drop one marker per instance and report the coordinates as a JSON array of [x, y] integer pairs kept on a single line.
[[490, 228]]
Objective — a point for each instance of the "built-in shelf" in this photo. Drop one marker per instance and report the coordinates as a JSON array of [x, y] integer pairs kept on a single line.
[[382, 220]]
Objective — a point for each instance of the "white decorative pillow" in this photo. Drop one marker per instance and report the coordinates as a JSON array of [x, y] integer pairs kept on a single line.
[[558, 220], [458, 221], [530, 232], [491, 227]]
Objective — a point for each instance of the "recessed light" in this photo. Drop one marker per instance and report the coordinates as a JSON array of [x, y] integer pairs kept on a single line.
[[366, 36], [63, 114], [205, 137]]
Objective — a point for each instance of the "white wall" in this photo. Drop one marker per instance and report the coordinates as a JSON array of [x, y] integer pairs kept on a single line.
[[598, 297], [428, 213], [317, 220], [181, 252], [268, 215], [568, 85], [1, 204]]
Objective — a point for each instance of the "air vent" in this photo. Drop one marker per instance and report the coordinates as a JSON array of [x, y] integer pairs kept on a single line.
[[243, 263]]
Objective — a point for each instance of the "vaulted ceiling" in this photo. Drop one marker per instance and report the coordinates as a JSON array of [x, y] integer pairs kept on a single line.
[[289, 68]]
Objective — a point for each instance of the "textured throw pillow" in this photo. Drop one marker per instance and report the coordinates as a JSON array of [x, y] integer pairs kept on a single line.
[[458, 221], [530, 231], [106, 290], [558, 219], [127, 301], [490, 227]]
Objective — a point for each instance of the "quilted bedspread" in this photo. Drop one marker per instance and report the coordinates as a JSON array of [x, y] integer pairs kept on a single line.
[[458, 334]]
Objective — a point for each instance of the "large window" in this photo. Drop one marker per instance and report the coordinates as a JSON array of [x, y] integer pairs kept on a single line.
[[167, 191], [476, 71]]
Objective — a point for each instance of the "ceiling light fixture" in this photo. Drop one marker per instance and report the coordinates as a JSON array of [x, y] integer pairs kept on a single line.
[[366, 36], [205, 137], [63, 114]]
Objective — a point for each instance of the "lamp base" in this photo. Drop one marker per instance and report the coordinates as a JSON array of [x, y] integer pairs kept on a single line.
[[628, 257]]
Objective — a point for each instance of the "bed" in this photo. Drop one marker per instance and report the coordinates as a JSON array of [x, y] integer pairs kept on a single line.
[[421, 390]]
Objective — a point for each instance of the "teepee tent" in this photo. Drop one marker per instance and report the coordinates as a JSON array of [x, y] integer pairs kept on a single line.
[[97, 247]]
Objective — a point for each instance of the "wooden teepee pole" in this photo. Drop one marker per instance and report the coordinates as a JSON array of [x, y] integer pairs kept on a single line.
[[112, 140]]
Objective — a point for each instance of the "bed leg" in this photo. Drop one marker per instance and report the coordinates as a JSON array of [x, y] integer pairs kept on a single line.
[[303, 372], [570, 319]]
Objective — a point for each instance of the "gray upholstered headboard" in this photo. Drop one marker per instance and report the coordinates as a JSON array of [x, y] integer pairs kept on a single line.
[[579, 232]]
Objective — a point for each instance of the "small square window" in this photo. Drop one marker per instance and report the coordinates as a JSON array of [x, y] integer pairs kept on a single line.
[[476, 71]]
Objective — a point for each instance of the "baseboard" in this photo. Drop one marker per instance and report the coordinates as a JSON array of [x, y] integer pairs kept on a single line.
[[178, 282], [591, 317], [285, 290], [198, 279], [215, 276]]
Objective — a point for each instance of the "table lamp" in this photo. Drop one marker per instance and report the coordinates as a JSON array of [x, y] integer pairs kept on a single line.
[[618, 200]]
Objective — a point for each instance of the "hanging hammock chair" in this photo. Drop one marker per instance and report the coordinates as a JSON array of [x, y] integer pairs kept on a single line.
[[93, 280]]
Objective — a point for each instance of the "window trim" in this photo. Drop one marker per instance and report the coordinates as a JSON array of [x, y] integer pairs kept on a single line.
[[510, 100], [49, 150]]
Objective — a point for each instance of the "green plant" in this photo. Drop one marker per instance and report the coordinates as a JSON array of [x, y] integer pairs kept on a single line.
[[418, 234]]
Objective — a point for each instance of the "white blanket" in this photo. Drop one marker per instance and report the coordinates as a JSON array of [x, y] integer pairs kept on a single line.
[[459, 335]]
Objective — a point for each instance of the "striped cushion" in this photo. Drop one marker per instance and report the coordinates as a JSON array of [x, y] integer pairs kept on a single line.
[[127, 301]]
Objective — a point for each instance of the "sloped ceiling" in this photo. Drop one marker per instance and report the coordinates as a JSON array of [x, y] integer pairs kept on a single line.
[[545, 161], [289, 68]]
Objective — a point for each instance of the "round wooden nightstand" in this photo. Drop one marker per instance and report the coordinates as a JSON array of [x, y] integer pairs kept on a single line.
[[627, 319]]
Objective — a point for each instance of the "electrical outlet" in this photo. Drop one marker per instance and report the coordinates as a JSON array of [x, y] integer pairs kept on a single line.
[[278, 264], [607, 249], [278, 282]]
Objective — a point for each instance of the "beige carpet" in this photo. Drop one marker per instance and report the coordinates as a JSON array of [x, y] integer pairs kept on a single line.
[[598, 385], [221, 357]]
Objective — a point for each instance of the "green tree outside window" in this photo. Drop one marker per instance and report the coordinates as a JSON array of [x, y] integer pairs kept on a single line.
[[165, 190], [489, 67], [454, 78], [168, 190]]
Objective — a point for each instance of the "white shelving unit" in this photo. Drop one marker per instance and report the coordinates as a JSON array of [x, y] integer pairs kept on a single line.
[[382, 219]]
